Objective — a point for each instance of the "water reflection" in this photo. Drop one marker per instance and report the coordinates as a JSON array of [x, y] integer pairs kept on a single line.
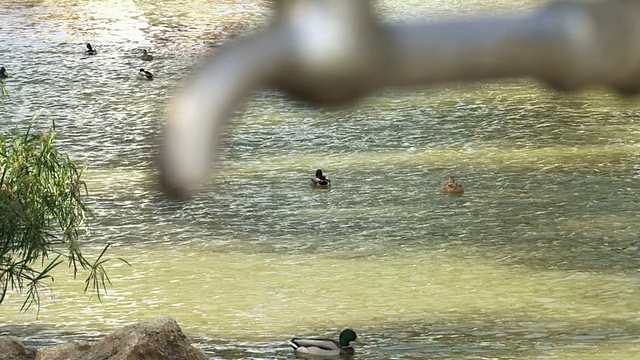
[[538, 259], [404, 305]]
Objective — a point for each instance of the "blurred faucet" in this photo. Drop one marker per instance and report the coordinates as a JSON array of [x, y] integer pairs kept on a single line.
[[330, 52]]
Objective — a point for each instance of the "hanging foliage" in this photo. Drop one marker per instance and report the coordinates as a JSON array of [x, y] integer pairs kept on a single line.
[[42, 216]]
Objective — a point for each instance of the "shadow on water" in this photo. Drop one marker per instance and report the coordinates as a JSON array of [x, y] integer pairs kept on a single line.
[[571, 220]]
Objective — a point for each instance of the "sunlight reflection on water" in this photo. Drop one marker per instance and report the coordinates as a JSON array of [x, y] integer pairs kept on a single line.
[[537, 260]]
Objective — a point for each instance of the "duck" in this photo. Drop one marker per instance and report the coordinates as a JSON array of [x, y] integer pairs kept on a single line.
[[326, 347], [90, 50], [3, 73], [320, 181], [452, 187], [146, 56], [143, 74]]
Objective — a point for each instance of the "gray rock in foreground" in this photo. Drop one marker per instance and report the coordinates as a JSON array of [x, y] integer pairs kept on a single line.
[[157, 339], [12, 349]]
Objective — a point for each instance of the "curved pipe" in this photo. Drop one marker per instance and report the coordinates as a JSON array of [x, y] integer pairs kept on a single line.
[[197, 116], [334, 51]]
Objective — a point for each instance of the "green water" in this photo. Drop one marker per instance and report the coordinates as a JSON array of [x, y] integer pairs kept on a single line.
[[538, 259]]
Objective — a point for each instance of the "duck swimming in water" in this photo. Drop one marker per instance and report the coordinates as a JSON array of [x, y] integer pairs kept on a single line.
[[143, 74], [326, 347], [3, 73], [320, 181], [452, 187], [90, 50], [146, 56]]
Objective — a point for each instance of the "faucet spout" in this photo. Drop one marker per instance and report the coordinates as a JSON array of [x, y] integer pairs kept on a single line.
[[197, 116], [335, 51]]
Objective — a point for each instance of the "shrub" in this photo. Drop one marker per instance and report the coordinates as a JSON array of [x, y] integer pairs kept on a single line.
[[42, 215]]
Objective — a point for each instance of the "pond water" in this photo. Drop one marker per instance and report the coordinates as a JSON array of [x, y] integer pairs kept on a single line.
[[538, 259]]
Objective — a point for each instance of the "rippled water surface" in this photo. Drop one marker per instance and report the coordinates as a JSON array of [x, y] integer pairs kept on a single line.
[[538, 259]]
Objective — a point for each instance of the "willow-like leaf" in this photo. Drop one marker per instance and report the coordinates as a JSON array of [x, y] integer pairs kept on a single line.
[[98, 278], [37, 283], [41, 210], [3, 88]]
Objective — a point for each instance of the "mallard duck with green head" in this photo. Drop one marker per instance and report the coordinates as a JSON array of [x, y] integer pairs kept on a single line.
[[90, 50], [326, 347], [452, 187], [320, 180], [3, 73], [144, 74]]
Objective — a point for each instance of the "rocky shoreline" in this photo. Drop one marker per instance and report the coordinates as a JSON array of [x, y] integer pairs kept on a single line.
[[156, 339]]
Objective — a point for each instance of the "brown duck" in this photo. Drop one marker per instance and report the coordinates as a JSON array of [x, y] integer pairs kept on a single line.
[[452, 187]]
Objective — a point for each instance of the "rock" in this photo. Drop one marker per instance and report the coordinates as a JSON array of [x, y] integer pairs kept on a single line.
[[12, 349], [157, 339]]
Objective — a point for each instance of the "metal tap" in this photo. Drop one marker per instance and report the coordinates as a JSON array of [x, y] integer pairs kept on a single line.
[[330, 52]]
